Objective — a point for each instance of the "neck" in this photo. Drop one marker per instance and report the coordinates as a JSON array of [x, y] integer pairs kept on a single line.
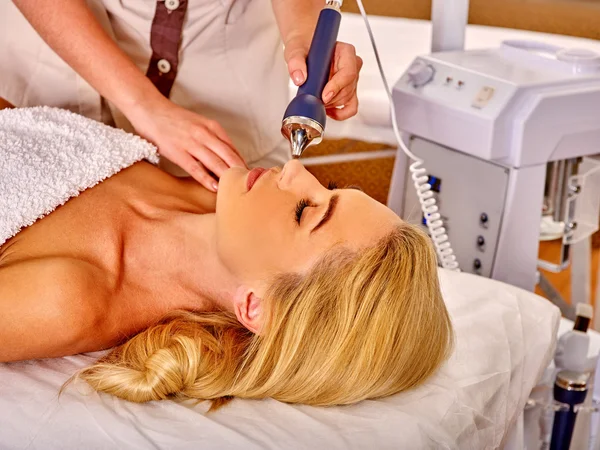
[[171, 252], [197, 266]]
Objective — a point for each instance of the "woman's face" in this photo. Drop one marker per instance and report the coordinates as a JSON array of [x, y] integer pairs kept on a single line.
[[287, 221]]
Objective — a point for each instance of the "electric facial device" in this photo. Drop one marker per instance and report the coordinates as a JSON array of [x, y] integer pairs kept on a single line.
[[304, 119], [570, 388], [487, 122]]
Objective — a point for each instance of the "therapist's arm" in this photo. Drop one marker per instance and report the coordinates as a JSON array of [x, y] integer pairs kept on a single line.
[[297, 20], [71, 29]]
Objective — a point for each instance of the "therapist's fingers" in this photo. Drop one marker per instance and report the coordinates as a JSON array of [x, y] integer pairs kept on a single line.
[[231, 155], [343, 97], [295, 55], [345, 69], [217, 129], [209, 159], [349, 110], [196, 170], [206, 138]]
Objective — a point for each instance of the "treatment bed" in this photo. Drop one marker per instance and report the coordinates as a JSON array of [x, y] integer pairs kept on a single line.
[[505, 338]]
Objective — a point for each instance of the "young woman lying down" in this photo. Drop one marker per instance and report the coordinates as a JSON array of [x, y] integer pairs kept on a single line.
[[276, 286]]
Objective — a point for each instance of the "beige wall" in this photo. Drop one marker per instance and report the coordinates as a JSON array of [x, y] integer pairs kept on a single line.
[[571, 17]]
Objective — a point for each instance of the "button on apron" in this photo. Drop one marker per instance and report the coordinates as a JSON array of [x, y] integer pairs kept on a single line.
[[172, 5], [163, 65]]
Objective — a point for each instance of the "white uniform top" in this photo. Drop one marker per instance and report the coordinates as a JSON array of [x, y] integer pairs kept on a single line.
[[231, 67]]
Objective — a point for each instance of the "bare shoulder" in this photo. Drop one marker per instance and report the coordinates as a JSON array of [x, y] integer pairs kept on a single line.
[[50, 306]]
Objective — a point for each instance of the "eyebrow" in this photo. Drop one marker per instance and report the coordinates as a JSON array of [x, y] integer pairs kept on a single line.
[[333, 201], [356, 187]]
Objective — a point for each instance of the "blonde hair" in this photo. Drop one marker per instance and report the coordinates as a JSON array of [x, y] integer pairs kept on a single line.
[[357, 326]]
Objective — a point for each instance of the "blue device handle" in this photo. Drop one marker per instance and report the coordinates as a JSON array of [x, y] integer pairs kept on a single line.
[[318, 62], [564, 421], [307, 102]]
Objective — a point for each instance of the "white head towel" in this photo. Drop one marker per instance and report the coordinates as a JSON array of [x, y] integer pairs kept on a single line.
[[48, 155]]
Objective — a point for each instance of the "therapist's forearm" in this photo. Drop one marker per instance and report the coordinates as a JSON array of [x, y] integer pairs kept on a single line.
[[72, 31], [297, 19]]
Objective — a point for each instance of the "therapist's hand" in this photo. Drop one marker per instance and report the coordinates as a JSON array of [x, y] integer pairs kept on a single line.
[[195, 143], [339, 94]]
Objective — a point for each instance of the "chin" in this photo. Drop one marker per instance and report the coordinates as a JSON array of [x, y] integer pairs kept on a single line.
[[232, 180], [232, 184]]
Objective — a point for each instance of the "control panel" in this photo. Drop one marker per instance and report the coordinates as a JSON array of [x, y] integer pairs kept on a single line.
[[499, 104], [472, 211], [457, 87]]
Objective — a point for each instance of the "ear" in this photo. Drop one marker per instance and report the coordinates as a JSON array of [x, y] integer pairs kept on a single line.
[[248, 309]]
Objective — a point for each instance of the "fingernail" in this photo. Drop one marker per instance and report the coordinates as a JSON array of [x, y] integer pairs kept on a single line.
[[298, 77], [215, 186], [328, 97]]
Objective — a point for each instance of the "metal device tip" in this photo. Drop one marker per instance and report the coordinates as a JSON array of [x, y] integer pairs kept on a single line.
[[299, 140]]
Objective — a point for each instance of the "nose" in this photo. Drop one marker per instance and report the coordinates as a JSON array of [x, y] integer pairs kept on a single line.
[[291, 167], [294, 176]]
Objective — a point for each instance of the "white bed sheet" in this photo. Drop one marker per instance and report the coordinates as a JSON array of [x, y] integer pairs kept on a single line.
[[505, 338], [399, 42]]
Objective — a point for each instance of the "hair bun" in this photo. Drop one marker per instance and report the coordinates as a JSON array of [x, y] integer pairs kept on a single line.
[[152, 366], [170, 369]]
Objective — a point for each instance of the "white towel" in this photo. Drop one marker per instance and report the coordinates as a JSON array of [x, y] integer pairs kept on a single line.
[[49, 155]]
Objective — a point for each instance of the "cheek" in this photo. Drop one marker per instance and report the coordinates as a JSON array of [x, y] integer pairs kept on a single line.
[[253, 234]]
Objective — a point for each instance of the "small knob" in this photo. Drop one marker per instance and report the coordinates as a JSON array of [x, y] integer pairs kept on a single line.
[[420, 73], [581, 60], [477, 264], [480, 241], [578, 55], [483, 218]]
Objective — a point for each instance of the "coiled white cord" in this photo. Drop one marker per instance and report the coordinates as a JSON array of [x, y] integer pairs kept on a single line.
[[433, 219]]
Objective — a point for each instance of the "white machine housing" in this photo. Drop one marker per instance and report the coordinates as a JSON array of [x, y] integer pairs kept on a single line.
[[486, 123]]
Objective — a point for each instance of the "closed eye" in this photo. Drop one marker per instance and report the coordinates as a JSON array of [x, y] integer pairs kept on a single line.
[[303, 203]]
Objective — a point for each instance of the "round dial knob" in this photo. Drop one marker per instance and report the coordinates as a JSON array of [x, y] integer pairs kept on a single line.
[[581, 60], [420, 73], [578, 55]]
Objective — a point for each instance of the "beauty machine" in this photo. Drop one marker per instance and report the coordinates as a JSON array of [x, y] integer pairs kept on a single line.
[[503, 133]]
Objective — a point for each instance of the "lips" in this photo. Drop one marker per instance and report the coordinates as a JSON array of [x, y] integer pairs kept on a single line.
[[254, 175]]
